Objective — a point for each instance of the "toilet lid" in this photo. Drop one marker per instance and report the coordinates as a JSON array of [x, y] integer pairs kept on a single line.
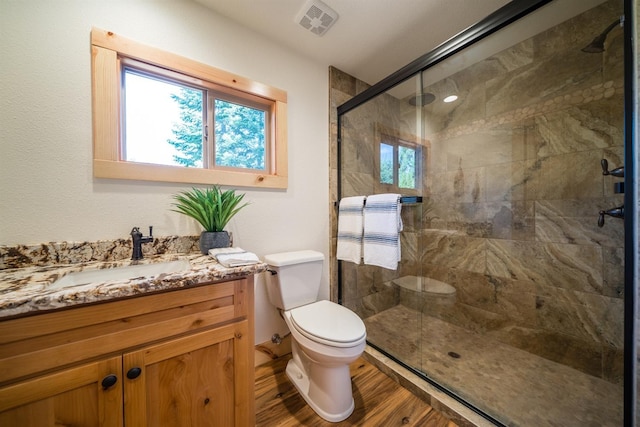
[[328, 321]]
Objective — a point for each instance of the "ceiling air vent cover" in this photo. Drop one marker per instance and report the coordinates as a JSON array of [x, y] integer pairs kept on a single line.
[[316, 17]]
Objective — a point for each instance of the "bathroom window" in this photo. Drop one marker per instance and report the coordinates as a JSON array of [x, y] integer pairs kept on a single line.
[[161, 117], [399, 162], [167, 122]]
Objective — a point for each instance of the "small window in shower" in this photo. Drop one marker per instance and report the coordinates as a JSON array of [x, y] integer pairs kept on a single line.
[[399, 163], [386, 163]]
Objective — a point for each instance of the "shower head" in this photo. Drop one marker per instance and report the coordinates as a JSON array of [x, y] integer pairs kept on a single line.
[[597, 45], [422, 99]]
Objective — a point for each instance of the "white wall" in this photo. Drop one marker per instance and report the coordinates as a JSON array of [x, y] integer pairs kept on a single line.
[[47, 191]]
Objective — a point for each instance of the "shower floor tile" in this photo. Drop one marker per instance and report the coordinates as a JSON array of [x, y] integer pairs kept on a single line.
[[515, 387]]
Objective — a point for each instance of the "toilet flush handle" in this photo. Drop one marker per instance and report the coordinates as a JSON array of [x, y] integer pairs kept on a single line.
[[273, 272]]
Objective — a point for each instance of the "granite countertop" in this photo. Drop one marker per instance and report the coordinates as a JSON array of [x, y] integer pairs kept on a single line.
[[29, 290]]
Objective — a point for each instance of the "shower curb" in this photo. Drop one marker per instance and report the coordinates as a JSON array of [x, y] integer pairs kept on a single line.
[[440, 401]]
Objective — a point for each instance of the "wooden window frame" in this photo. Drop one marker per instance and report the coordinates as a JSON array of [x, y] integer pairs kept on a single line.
[[106, 50]]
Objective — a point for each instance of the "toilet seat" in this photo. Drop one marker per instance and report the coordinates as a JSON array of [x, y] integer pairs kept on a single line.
[[328, 323]]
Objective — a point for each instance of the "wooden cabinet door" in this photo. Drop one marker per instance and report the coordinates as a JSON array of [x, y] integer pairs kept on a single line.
[[74, 396], [195, 380]]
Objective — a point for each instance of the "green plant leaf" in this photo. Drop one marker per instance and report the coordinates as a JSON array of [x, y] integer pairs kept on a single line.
[[212, 207]]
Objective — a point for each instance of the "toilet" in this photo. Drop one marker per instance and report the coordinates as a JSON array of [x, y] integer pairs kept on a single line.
[[326, 337]]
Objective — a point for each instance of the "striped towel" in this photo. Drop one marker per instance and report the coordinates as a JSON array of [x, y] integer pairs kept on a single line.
[[350, 229], [382, 226]]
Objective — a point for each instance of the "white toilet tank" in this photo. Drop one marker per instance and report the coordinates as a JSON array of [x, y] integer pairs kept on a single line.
[[296, 280]]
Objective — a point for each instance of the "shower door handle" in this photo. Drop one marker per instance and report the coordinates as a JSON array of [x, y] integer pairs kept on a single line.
[[615, 212]]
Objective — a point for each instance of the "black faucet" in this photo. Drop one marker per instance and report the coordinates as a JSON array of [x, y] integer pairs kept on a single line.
[[138, 240]]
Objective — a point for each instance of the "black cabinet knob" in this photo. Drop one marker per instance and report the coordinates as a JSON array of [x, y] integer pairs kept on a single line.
[[134, 373], [109, 381]]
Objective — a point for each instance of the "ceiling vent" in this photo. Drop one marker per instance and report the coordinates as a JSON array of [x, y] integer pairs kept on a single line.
[[316, 17]]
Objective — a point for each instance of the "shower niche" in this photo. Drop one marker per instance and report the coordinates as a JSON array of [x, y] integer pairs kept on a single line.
[[503, 264]]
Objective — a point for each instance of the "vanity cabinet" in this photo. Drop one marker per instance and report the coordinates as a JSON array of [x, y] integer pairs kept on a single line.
[[182, 357]]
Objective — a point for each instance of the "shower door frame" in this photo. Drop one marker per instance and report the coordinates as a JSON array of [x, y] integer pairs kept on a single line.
[[501, 18]]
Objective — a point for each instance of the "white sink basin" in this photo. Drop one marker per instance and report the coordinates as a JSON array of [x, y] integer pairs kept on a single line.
[[120, 273]]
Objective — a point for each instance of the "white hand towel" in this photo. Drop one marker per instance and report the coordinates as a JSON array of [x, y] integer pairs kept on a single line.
[[382, 226], [234, 257], [238, 259], [350, 229], [217, 251]]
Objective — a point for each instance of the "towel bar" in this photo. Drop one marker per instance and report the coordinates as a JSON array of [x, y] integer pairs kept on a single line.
[[403, 199]]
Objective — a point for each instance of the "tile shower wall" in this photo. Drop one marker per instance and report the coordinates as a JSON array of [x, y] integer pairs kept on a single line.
[[369, 292], [512, 189]]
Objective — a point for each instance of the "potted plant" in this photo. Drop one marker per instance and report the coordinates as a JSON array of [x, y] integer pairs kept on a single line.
[[212, 208]]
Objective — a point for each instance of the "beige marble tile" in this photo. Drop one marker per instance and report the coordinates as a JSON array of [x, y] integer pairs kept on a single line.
[[357, 184], [444, 248], [576, 221], [582, 355], [512, 299], [558, 265], [513, 220], [506, 181], [584, 315], [342, 82], [542, 80], [509, 383], [554, 182], [612, 273], [578, 129]]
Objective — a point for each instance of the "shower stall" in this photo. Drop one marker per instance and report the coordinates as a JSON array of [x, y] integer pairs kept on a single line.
[[508, 142]]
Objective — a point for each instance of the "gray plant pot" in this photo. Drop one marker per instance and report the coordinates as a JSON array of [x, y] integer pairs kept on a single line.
[[213, 239]]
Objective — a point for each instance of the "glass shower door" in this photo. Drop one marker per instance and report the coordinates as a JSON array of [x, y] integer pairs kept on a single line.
[[510, 293], [382, 151], [517, 185]]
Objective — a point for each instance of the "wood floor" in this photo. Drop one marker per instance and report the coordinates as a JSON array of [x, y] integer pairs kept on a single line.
[[379, 401]]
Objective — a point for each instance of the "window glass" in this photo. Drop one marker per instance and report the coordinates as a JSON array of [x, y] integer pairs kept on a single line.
[[406, 167], [163, 121], [188, 132], [386, 163], [166, 121], [239, 135]]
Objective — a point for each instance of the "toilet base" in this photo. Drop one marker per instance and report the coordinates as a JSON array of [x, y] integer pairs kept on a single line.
[[301, 381]]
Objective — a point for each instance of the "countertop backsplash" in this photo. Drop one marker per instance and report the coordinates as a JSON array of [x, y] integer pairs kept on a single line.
[[52, 253]]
